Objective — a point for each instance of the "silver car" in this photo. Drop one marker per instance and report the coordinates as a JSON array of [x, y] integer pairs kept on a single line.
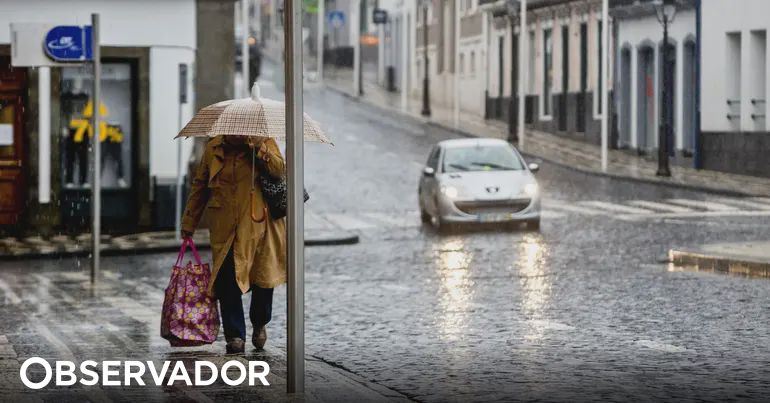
[[478, 181]]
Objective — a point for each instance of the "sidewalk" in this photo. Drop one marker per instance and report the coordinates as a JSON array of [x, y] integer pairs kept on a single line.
[[51, 310], [146, 242], [556, 149], [744, 258]]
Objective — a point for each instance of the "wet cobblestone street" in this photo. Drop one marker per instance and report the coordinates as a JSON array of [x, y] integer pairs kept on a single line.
[[581, 310]]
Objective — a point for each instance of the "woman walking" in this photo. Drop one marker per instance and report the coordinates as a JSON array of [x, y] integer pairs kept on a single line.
[[248, 245]]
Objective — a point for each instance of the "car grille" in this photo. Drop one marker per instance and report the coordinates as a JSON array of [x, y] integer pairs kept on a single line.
[[492, 206]]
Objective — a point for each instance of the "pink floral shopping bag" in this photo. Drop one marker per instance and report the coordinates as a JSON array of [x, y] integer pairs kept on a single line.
[[190, 315]]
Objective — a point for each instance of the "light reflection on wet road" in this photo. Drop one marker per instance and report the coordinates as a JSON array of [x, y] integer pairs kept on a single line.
[[578, 311]]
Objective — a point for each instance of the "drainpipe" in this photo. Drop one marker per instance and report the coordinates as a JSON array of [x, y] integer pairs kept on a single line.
[[697, 161]]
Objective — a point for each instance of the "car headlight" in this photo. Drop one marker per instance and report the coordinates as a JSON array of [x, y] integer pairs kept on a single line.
[[530, 189], [450, 191]]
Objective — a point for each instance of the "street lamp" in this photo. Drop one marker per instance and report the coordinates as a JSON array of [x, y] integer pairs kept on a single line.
[[666, 11], [426, 80], [512, 9]]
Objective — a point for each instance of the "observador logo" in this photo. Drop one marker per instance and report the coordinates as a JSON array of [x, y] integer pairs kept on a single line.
[[135, 373]]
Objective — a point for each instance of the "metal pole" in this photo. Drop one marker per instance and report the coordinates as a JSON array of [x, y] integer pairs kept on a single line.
[[295, 336], [605, 73], [426, 79], [356, 25], [44, 134], [404, 56], [523, 50], [96, 187], [663, 169], [697, 158], [456, 105], [511, 107], [182, 100], [246, 85], [362, 25], [320, 45]]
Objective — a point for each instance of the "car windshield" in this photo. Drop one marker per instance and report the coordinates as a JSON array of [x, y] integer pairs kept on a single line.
[[481, 158]]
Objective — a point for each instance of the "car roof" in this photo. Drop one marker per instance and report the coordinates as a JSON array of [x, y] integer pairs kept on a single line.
[[460, 143]]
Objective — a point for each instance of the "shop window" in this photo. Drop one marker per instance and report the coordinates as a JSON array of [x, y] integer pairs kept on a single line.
[[116, 128]]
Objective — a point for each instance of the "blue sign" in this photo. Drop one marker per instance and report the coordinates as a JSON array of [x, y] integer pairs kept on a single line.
[[336, 18], [69, 43]]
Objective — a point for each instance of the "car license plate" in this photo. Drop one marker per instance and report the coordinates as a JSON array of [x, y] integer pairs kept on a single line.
[[494, 217]]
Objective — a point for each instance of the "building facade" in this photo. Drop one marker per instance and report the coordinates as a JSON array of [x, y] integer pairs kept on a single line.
[[563, 68], [143, 45], [734, 79], [640, 68]]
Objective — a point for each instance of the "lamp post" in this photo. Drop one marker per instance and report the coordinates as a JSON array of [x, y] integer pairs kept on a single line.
[[512, 9], [426, 80], [666, 11]]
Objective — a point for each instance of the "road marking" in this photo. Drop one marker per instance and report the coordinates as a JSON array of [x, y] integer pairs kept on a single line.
[[744, 203], [763, 200], [660, 206], [8, 294], [697, 214], [619, 208], [702, 204], [560, 205]]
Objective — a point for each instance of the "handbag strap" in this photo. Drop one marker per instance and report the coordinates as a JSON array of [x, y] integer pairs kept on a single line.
[[185, 243]]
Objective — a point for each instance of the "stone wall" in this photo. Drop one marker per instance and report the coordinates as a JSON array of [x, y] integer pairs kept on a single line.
[[746, 153]]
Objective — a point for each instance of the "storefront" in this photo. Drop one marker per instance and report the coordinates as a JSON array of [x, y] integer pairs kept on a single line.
[[144, 44], [118, 111]]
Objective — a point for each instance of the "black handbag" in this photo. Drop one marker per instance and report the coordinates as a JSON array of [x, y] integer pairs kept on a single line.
[[275, 192]]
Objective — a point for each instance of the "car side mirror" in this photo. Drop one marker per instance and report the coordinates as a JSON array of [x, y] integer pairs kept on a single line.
[[429, 172], [534, 167]]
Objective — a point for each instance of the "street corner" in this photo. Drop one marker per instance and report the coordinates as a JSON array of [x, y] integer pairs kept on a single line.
[[751, 259]]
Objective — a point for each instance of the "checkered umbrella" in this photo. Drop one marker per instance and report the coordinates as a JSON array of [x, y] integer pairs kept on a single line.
[[254, 116]]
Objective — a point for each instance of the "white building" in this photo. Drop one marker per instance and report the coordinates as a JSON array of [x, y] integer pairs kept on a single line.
[[734, 135], [640, 77], [563, 66], [144, 42]]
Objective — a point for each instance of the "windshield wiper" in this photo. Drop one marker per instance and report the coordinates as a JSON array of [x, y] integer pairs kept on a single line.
[[459, 166], [495, 166]]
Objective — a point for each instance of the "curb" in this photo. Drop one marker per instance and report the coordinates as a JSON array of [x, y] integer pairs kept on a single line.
[[719, 264], [467, 134], [347, 239], [341, 239]]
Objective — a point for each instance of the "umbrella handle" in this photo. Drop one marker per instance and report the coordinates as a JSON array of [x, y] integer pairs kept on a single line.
[[253, 200]]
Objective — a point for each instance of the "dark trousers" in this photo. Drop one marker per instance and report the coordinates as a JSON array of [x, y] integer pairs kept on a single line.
[[231, 306]]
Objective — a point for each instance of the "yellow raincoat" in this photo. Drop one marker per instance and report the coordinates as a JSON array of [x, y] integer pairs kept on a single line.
[[222, 186]]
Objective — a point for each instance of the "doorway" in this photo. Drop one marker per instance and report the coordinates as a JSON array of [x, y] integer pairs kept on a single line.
[[688, 98], [564, 77], [13, 161], [500, 73], [625, 98], [668, 67], [646, 99], [580, 113]]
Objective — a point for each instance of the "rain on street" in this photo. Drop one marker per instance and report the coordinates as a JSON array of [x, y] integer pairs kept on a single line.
[[479, 315]]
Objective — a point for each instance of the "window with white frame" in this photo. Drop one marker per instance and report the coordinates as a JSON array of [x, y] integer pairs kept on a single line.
[[462, 63], [472, 67]]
